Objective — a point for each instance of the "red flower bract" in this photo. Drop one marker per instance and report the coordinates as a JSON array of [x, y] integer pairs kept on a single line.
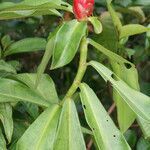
[[83, 9]]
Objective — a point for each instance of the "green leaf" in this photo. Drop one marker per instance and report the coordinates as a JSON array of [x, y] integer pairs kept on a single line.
[[124, 113], [26, 45], [30, 8], [96, 24], [69, 135], [6, 118], [2, 141], [64, 51], [143, 144], [137, 101], [6, 68], [109, 42], [32, 109], [15, 91], [46, 87], [116, 21], [131, 137], [105, 132], [111, 55], [46, 57], [86, 131], [145, 127], [132, 29], [40, 135]]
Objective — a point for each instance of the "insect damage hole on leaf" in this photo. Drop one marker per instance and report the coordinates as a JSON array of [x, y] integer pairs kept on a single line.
[[65, 5], [114, 77], [84, 106], [127, 65]]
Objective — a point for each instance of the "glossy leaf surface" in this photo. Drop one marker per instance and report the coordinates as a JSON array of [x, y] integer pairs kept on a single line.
[[106, 134], [67, 41], [69, 134], [137, 101], [40, 135]]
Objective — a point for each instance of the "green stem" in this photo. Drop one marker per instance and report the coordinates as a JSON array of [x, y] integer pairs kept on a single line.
[[81, 69]]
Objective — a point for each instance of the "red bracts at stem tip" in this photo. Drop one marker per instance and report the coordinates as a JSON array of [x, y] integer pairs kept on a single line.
[[83, 9]]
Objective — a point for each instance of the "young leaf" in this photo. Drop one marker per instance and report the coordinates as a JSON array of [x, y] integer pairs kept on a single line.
[[132, 29], [64, 51], [105, 132], [69, 135], [40, 135], [96, 24], [6, 118], [46, 87], [26, 45], [2, 141], [15, 91], [137, 101]]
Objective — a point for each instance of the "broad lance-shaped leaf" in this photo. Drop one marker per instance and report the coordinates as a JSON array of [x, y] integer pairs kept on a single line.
[[105, 132], [6, 119], [2, 141], [41, 133], [124, 113], [64, 50], [136, 100], [132, 29], [15, 91], [46, 87], [69, 135], [26, 45], [32, 8]]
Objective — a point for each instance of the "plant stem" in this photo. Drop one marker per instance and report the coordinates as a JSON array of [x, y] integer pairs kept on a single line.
[[81, 69]]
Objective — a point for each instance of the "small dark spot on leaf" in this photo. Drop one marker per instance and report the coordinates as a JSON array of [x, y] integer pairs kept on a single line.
[[107, 120], [93, 129], [114, 135], [65, 5], [128, 66]]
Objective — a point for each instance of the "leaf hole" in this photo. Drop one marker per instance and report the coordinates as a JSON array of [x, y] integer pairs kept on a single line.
[[114, 135], [84, 106], [107, 120], [127, 65], [65, 5], [114, 77]]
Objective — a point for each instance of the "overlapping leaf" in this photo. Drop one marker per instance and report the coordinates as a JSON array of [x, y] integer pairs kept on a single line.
[[15, 91], [27, 8], [106, 134], [26, 45], [69, 134], [137, 101], [41, 134], [66, 43], [46, 87], [6, 119]]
